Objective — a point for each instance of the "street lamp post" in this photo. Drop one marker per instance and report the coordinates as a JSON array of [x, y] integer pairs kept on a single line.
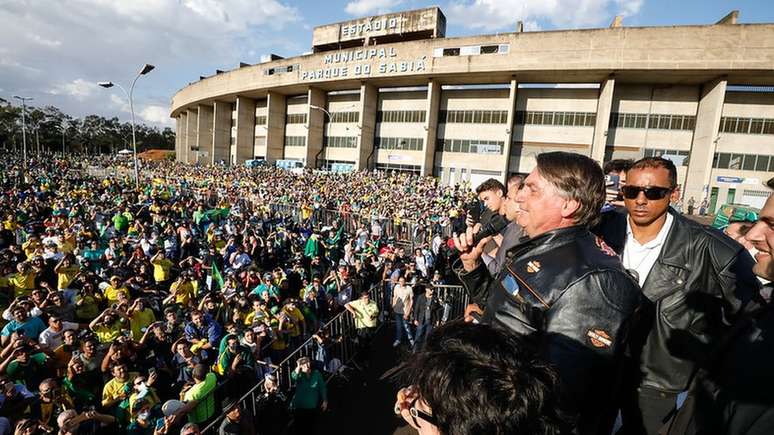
[[64, 128], [145, 70], [330, 118], [24, 126]]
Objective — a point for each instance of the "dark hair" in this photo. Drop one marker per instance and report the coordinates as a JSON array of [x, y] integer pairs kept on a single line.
[[514, 179], [577, 177], [658, 162], [199, 372], [617, 165], [479, 379], [491, 184], [770, 183]]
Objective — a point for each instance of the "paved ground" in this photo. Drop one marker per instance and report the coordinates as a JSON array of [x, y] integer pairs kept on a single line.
[[362, 404]]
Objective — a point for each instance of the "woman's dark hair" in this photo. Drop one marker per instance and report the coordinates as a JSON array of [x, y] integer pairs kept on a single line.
[[478, 379]]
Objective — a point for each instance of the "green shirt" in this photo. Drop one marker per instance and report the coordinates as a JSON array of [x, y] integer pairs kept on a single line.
[[201, 393], [311, 390], [120, 222]]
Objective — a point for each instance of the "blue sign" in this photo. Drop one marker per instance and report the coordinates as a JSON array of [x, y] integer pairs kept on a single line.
[[722, 179]]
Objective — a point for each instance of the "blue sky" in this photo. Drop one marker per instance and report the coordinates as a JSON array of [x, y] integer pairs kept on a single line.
[[56, 51]]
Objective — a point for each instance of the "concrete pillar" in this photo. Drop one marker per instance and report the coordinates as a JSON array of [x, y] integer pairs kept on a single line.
[[221, 132], [178, 137], [183, 155], [508, 135], [204, 134], [705, 135], [245, 129], [316, 123], [369, 96], [190, 145], [431, 125], [604, 105], [276, 108]]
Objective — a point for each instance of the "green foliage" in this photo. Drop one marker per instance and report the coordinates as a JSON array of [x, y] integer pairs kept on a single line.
[[92, 133]]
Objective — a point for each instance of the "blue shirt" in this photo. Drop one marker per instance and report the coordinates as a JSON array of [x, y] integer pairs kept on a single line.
[[32, 327]]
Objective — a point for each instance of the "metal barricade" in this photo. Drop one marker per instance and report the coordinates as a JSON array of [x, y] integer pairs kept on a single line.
[[454, 299], [340, 330]]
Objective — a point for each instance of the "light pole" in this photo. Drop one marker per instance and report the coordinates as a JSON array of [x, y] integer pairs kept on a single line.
[[145, 70], [24, 126], [64, 129]]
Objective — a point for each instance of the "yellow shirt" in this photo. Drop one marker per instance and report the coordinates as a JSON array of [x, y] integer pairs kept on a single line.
[[161, 269], [108, 334], [113, 388], [184, 292], [297, 317], [22, 284], [29, 247], [139, 321], [65, 276], [111, 293]]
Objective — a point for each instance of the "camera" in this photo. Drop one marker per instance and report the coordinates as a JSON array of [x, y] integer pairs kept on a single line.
[[474, 209]]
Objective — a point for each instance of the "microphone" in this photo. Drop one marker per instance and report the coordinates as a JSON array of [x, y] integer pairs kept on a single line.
[[496, 224]]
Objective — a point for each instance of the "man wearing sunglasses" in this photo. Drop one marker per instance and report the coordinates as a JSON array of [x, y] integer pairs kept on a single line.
[[696, 282]]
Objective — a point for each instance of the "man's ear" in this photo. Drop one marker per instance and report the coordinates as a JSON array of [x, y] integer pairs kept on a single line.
[[570, 207], [675, 196]]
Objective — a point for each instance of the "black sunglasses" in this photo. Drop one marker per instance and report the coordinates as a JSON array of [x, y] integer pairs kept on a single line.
[[652, 193], [418, 413]]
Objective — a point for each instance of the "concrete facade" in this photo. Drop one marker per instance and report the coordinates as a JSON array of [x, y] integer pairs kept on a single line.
[[470, 108]]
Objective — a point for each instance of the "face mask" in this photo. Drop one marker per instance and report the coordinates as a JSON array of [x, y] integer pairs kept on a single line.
[[142, 390], [143, 415]]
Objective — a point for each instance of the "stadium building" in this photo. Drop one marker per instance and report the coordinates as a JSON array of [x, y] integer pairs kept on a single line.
[[392, 92]]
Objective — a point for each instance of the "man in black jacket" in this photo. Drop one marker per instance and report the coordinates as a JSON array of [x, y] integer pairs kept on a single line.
[[427, 312], [562, 288], [696, 282]]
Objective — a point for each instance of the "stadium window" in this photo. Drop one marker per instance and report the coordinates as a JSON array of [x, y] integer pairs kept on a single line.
[[451, 51], [689, 122], [736, 161], [724, 159], [676, 122], [749, 162], [742, 125], [768, 126], [548, 118], [490, 49], [471, 50], [468, 117], [591, 119], [771, 164], [762, 164], [756, 126]]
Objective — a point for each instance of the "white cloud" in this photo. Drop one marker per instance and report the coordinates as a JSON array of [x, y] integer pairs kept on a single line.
[[52, 43], [371, 7], [55, 51], [79, 89], [493, 15], [157, 115], [120, 103]]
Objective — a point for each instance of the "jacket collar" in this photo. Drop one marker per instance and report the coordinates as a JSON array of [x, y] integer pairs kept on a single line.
[[548, 239]]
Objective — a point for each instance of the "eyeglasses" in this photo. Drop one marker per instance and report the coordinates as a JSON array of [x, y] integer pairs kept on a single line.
[[652, 193], [418, 413]]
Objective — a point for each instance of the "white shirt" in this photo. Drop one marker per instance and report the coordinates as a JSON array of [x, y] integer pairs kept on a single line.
[[50, 339], [641, 258]]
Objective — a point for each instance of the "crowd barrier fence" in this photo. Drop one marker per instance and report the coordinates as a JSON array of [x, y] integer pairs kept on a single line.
[[339, 344]]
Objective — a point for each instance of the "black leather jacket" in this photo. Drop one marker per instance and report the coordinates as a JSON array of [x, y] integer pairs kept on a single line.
[[699, 285], [569, 294]]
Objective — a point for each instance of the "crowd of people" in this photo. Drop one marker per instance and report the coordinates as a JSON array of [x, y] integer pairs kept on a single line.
[[126, 308]]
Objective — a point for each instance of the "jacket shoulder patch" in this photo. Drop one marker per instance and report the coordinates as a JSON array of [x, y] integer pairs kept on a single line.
[[599, 338]]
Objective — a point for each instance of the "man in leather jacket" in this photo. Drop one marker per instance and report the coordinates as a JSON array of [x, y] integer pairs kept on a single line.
[[562, 288], [696, 282]]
